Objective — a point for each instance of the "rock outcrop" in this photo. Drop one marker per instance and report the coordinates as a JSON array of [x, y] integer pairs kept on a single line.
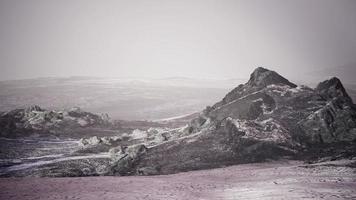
[[35, 120], [262, 77]]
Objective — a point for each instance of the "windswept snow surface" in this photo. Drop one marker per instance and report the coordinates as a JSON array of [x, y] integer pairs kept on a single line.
[[19, 154], [40, 163], [275, 180]]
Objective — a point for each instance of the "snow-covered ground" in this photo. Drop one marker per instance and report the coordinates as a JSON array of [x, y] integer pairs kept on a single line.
[[18, 154], [274, 180], [58, 159]]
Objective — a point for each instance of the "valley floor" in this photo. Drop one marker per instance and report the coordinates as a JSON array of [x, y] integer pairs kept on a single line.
[[273, 180]]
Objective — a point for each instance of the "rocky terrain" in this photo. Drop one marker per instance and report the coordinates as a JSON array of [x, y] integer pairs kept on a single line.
[[35, 121], [268, 118]]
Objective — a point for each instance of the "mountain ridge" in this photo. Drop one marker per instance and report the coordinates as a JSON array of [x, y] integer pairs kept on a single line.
[[266, 118], [270, 119]]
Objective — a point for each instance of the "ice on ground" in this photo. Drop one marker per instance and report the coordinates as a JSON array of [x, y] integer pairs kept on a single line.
[[40, 163], [138, 134]]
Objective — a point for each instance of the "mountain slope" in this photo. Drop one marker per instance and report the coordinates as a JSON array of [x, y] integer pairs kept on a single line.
[[266, 118]]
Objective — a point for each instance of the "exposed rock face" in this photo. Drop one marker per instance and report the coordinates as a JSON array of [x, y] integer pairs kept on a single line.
[[259, 79], [262, 77], [124, 159], [33, 119], [94, 141], [268, 117], [336, 121], [98, 145], [332, 88]]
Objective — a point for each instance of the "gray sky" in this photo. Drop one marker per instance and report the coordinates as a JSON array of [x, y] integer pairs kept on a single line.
[[163, 38]]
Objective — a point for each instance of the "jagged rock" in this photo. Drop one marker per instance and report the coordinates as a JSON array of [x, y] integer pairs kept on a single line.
[[94, 140], [96, 144], [117, 153], [125, 159], [33, 119], [334, 122], [249, 107], [259, 79], [262, 77], [332, 88], [113, 141], [266, 118], [33, 108]]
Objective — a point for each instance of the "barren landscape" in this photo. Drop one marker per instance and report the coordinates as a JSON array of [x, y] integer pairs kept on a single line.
[[271, 180], [177, 100], [259, 142]]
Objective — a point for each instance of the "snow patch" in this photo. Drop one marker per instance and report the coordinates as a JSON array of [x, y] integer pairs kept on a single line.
[[257, 100], [138, 134], [82, 122], [40, 163], [267, 130], [265, 109]]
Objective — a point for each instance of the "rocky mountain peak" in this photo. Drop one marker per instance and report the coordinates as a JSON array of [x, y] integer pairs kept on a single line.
[[33, 108], [332, 88], [262, 77]]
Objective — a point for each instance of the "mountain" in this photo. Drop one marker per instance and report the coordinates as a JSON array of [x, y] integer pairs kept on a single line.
[[346, 73], [266, 118]]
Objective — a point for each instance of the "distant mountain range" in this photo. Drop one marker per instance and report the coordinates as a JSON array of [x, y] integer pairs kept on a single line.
[[128, 99], [134, 98]]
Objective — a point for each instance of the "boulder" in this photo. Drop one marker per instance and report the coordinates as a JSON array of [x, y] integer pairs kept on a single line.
[[125, 159]]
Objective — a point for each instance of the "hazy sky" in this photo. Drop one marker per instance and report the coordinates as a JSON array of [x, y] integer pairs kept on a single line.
[[163, 38]]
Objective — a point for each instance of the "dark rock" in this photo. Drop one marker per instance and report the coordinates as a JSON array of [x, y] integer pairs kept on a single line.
[[35, 120], [332, 88], [266, 118], [262, 77], [125, 159]]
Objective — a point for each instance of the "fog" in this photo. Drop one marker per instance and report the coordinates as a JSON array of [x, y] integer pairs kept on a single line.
[[195, 38]]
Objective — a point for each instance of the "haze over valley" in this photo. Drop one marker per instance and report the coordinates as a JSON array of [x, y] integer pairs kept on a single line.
[[177, 99]]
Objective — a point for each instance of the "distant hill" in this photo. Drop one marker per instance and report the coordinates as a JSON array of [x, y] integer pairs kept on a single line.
[[121, 98]]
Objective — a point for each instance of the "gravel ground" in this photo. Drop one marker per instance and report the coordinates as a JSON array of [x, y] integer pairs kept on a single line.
[[272, 180]]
